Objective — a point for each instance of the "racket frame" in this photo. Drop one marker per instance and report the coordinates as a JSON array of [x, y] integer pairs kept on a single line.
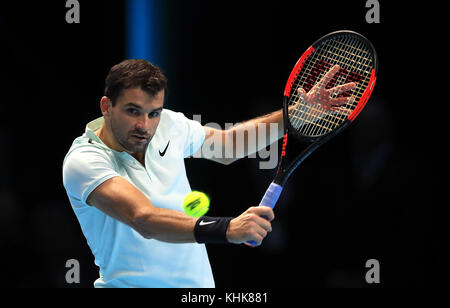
[[283, 172], [274, 190]]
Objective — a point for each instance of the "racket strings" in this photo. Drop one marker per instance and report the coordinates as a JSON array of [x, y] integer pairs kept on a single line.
[[355, 62], [311, 114], [318, 113]]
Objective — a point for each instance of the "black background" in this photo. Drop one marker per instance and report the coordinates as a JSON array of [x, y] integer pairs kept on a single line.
[[378, 191]]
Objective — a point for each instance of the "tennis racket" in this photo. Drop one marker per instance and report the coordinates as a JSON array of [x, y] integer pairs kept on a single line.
[[327, 89]]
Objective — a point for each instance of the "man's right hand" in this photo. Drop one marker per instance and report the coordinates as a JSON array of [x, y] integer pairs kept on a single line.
[[250, 225]]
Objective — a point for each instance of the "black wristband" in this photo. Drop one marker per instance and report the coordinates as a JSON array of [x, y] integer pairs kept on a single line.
[[212, 229]]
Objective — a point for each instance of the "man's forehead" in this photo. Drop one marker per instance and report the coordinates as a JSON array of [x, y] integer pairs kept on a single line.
[[141, 98]]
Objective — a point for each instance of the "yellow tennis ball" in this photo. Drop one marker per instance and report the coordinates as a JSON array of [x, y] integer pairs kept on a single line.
[[196, 204]]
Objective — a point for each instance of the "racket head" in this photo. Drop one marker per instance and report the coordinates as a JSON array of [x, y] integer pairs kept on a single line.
[[353, 59]]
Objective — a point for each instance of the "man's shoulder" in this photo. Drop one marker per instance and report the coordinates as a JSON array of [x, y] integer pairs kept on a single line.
[[176, 121], [177, 117], [84, 146]]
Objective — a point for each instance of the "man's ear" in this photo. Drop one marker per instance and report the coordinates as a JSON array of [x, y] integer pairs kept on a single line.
[[105, 106]]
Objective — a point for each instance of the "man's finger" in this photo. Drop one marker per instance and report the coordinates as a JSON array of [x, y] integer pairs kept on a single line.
[[339, 111], [264, 211], [301, 92], [264, 223], [341, 101], [301, 96], [262, 231], [328, 76], [256, 238], [342, 88]]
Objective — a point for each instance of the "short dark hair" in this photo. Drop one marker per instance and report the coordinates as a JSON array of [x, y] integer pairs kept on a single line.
[[131, 74]]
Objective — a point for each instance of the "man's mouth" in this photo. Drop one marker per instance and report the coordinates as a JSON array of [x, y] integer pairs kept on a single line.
[[141, 138]]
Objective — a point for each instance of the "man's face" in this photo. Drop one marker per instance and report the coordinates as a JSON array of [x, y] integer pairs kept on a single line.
[[135, 117]]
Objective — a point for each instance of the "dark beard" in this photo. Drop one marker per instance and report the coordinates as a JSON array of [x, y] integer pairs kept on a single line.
[[123, 141]]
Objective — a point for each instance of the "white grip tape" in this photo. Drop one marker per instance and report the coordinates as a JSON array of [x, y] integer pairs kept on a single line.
[[271, 196]]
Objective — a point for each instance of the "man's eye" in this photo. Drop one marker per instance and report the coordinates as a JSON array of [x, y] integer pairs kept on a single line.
[[133, 111], [153, 114]]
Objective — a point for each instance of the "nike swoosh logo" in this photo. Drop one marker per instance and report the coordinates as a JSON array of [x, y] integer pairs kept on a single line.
[[164, 152], [202, 223]]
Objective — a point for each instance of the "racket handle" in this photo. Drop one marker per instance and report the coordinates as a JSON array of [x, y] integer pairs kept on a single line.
[[270, 199], [271, 196]]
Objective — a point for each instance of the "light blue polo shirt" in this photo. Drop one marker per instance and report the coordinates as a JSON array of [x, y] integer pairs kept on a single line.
[[125, 258]]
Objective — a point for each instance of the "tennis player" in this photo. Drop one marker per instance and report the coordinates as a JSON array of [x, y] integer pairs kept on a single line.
[[125, 178]]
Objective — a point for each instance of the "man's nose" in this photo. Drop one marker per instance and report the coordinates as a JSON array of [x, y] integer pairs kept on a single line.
[[143, 123]]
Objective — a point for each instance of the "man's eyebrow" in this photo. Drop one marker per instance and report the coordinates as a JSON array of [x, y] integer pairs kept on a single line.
[[133, 105], [139, 107]]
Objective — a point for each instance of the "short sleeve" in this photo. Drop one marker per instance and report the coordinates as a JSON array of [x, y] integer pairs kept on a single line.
[[195, 137], [84, 169]]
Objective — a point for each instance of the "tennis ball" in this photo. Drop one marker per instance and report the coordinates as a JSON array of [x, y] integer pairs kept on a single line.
[[196, 204]]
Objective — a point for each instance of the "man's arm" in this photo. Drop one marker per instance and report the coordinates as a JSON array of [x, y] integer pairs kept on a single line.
[[228, 141], [243, 138], [121, 200]]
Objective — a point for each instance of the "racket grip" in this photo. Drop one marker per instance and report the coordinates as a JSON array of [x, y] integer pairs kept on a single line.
[[270, 199], [271, 196]]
